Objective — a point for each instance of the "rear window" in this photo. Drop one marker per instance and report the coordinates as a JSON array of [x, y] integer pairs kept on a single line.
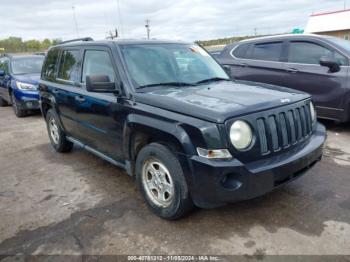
[[68, 69], [266, 51]]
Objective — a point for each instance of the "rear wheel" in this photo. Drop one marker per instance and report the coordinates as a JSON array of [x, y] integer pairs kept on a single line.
[[162, 183], [16, 107], [57, 136]]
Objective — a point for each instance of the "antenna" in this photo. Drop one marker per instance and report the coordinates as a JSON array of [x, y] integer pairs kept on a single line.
[[148, 28], [75, 21], [120, 18]]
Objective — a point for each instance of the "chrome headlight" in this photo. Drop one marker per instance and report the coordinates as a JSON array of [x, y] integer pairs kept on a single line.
[[313, 112], [241, 135], [25, 86]]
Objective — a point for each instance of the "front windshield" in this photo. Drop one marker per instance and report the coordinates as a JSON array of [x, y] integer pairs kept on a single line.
[[345, 44], [27, 65], [152, 64]]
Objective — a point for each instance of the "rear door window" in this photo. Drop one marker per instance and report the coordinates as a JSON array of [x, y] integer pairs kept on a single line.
[[69, 66], [266, 51]]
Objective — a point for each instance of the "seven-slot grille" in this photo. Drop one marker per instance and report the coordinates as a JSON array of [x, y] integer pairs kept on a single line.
[[283, 129]]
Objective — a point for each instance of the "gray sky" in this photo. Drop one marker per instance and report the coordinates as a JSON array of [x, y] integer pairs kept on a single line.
[[177, 19]]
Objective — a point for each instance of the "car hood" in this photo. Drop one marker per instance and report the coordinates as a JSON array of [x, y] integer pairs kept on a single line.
[[219, 101], [28, 78]]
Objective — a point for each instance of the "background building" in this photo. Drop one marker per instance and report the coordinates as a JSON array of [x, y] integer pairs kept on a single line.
[[335, 23]]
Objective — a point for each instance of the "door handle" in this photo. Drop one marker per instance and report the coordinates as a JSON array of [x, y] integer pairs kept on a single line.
[[55, 91], [292, 70], [80, 99], [243, 65]]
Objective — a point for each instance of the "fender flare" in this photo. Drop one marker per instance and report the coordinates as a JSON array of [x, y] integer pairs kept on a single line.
[[135, 122]]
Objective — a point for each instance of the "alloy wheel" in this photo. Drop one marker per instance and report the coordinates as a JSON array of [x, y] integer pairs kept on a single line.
[[54, 133], [157, 182]]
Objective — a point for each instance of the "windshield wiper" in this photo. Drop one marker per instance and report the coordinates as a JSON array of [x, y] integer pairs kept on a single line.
[[167, 84], [212, 80]]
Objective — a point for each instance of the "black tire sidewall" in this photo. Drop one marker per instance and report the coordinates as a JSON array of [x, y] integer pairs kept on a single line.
[[18, 111], [62, 145], [2, 102], [181, 202]]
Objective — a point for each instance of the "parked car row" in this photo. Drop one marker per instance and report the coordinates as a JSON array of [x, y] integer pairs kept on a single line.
[[169, 114], [318, 65]]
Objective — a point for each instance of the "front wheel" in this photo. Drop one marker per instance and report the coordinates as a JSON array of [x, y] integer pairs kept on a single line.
[[3, 102], [162, 183], [57, 136], [16, 107]]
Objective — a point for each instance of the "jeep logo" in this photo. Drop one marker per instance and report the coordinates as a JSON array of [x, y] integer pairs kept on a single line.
[[285, 100]]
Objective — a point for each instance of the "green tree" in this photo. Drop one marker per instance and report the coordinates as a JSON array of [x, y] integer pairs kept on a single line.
[[45, 44], [17, 45], [32, 45], [56, 41]]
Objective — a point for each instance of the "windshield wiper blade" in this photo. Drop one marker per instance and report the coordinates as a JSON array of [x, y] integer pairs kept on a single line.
[[167, 84], [212, 80]]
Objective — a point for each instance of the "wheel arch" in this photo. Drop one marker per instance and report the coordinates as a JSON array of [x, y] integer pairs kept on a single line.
[[142, 130], [47, 102]]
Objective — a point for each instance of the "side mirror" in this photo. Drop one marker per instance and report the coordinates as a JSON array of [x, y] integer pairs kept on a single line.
[[331, 63], [2, 73], [100, 84]]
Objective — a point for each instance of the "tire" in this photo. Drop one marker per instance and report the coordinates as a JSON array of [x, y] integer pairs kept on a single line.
[[57, 136], [18, 111], [3, 102], [165, 191]]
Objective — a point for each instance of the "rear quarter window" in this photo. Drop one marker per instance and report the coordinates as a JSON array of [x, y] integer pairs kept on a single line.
[[240, 50]]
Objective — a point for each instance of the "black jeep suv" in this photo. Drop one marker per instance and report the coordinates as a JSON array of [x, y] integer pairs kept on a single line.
[[169, 115]]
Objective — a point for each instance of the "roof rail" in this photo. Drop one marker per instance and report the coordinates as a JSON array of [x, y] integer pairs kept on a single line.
[[84, 39]]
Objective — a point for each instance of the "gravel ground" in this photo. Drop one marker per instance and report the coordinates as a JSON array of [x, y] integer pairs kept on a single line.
[[76, 203]]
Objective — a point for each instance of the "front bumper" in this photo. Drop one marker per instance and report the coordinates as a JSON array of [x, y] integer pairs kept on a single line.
[[215, 183], [27, 100]]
